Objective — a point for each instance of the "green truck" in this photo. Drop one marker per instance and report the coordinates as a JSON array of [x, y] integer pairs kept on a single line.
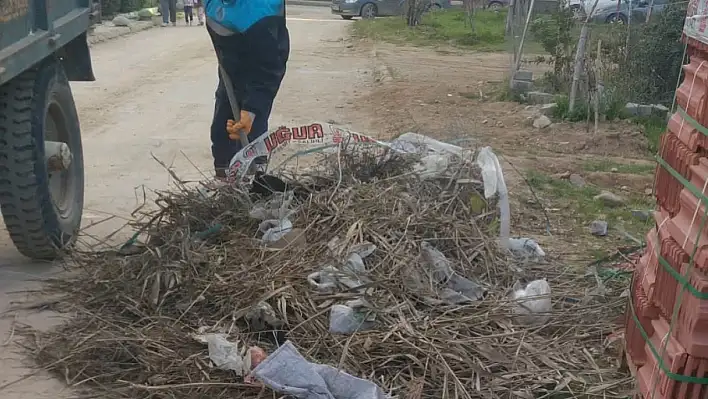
[[43, 47]]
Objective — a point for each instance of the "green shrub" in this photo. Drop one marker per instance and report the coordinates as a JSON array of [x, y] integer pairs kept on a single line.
[[486, 32], [130, 5], [656, 56], [110, 7], [556, 34]]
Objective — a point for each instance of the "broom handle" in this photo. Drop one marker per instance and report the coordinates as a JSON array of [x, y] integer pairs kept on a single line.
[[232, 100]]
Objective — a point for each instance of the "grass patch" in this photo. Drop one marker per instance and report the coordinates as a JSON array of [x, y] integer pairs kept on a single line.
[[652, 128], [608, 166], [446, 27], [578, 203]]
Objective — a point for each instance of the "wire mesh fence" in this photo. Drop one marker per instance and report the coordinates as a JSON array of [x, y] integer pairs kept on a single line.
[[600, 54]]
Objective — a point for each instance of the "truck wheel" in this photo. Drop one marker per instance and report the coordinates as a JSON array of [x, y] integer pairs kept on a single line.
[[41, 162]]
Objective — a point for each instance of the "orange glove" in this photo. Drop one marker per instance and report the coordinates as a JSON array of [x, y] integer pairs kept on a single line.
[[243, 126]]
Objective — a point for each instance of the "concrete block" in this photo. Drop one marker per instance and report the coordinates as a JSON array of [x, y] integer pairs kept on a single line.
[[641, 110], [523, 75], [521, 86]]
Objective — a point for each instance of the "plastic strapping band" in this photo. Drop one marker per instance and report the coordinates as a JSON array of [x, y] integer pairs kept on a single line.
[[660, 361], [693, 189], [704, 199], [688, 118]]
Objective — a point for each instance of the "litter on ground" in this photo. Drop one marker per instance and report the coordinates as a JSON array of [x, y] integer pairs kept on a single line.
[[372, 276]]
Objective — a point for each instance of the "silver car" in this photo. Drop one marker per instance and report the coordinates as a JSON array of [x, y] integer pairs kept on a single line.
[[349, 9], [612, 11]]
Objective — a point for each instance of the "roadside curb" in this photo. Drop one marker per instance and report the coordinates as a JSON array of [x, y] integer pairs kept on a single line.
[[313, 3], [104, 33]]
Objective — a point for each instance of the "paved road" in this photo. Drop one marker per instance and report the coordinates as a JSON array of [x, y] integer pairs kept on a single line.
[[154, 94]]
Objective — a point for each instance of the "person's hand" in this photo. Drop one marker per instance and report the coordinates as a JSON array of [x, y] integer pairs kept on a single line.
[[243, 126]]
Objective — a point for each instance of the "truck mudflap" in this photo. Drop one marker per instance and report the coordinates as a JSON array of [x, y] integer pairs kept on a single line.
[[35, 30], [75, 56]]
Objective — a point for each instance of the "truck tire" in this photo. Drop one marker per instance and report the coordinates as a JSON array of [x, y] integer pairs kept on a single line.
[[42, 209]]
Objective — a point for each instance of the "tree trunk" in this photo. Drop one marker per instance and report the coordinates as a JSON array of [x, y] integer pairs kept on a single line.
[[579, 58], [523, 37]]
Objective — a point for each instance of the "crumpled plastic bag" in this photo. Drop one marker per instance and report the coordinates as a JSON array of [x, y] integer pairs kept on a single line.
[[415, 143], [225, 354], [533, 302], [525, 247], [287, 372], [263, 316], [436, 156], [448, 286], [494, 184], [274, 215], [351, 274], [347, 319], [352, 316], [276, 207], [458, 289], [273, 230]]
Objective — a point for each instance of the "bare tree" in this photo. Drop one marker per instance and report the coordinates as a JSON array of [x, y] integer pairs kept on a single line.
[[580, 58], [415, 9]]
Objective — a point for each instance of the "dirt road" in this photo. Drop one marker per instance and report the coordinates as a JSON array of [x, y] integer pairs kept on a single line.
[[154, 95]]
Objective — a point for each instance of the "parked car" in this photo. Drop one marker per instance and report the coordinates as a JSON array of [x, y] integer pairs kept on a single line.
[[542, 6], [607, 11], [349, 9], [497, 4]]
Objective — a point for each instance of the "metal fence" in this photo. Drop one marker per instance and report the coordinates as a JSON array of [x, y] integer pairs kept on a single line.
[[602, 55]]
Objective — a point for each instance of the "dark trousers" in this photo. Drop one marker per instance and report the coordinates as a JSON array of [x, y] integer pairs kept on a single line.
[[188, 14], [255, 61]]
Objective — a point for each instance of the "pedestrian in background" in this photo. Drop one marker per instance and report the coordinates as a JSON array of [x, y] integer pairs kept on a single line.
[[168, 9], [199, 9], [189, 12]]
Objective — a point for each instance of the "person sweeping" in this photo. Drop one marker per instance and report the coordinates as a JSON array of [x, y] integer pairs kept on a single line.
[[252, 43]]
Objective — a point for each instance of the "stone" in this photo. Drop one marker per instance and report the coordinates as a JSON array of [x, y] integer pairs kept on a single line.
[[539, 97], [523, 75], [145, 14], [121, 21], [548, 109], [542, 122], [660, 109], [641, 214], [610, 199], [577, 180], [521, 86], [649, 191], [598, 228], [614, 170]]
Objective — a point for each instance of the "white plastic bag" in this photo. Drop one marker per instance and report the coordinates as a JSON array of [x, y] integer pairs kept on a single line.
[[533, 302], [225, 354], [494, 183]]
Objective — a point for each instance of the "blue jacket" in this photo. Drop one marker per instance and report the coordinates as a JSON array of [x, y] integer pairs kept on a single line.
[[240, 15]]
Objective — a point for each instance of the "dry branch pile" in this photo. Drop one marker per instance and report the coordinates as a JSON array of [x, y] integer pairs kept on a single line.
[[201, 267]]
